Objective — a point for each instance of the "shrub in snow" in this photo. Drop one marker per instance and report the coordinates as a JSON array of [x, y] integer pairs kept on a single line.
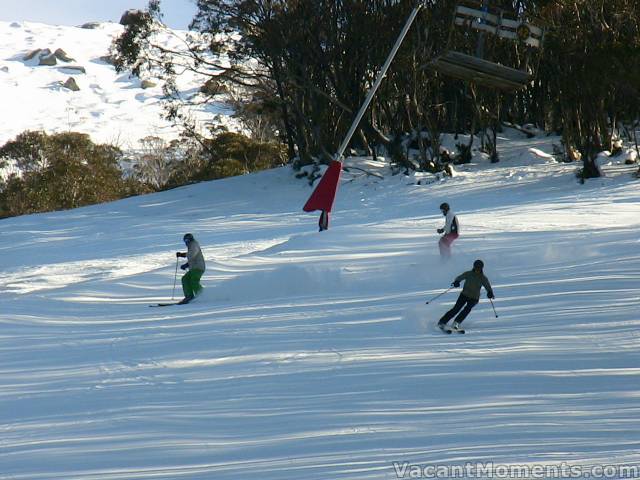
[[90, 25], [530, 130], [60, 171], [131, 17], [464, 154], [213, 86], [225, 155], [155, 161], [313, 172]]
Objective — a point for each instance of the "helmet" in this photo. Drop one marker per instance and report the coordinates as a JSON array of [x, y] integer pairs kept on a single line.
[[479, 264], [187, 237], [444, 206]]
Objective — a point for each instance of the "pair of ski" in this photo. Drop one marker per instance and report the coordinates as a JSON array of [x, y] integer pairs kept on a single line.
[[181, 302], [449, 330], [184, 301]]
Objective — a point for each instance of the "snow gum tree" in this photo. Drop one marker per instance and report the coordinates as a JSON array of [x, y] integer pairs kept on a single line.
[[306, 66], [588, 81]]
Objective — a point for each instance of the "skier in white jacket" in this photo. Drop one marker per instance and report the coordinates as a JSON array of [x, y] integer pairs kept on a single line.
[[450, 231], [196, 266]]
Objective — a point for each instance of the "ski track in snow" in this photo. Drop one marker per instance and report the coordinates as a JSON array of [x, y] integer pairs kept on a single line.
[[314, 355]]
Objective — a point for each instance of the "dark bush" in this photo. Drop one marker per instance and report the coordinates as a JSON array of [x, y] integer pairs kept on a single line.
[[226, 155], [60, 171]]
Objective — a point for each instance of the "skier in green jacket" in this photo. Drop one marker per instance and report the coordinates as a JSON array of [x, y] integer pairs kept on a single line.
[[195, 263], [470, 296]]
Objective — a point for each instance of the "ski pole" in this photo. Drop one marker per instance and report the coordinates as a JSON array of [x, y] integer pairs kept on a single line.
[[494, 308], [175, 277], [438, 296]]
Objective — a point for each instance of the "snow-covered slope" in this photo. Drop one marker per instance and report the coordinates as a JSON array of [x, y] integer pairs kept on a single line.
[[111, 107], [314, 355]]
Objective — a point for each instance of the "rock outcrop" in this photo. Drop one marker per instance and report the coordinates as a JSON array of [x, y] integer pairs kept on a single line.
[[62, 56], [37, 52], [46, 57], [71, 84], [48, 60], [75, 68]]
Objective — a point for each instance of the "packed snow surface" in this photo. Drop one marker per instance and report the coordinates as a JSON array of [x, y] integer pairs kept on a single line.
[[313, 355]]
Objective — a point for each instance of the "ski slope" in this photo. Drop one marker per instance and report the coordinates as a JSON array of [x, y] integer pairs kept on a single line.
[[314, 356]]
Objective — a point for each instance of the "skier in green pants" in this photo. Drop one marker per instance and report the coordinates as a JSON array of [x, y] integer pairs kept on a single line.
[[195, 263]]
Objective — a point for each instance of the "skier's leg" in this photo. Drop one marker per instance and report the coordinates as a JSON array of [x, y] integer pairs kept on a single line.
[[187, 288], [450, 239], [443, 245], [456, 308], [196, 275], [470, 303]]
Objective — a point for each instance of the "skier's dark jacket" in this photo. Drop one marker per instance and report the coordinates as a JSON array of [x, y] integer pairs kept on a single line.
[[473, 281]]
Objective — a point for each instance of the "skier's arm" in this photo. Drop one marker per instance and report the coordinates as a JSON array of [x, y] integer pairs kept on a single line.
[[487, 287], [459, 278]]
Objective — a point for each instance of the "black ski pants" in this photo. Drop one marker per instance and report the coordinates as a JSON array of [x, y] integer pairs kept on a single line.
[[463, 305]]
